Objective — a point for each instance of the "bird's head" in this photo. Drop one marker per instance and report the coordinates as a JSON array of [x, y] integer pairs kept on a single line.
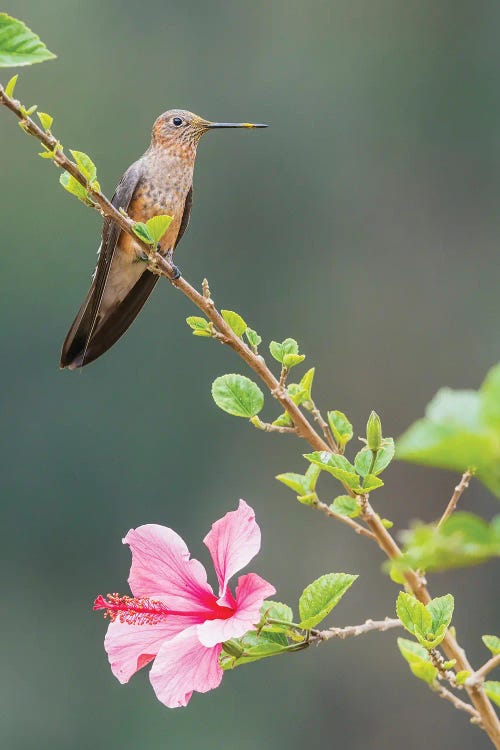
[[179, 127]]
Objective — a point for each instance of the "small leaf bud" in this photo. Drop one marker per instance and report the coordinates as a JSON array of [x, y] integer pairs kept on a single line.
[[374, 432]]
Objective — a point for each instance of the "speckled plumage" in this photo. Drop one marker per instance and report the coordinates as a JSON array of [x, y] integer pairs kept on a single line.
[[160, 182]]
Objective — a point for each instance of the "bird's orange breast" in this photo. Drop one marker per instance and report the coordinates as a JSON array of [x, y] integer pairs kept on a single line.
[[162, 190]]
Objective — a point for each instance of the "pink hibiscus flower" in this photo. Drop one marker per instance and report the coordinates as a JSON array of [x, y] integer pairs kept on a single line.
[[174, 617]]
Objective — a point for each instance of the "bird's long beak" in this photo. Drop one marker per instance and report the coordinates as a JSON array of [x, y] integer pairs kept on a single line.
[[235, 125]]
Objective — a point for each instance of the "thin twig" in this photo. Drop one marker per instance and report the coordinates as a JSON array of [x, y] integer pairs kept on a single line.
[[354, 630], [325, 428], [457, 494], [459, 704], [324, 508], [481, 673], [489, 719], [267, 427]]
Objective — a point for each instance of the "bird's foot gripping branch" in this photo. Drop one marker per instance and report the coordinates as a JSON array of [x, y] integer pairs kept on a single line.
[[461, 431]]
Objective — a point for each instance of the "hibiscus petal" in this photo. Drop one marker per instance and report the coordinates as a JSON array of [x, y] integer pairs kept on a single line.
[[233, 541], [131, 647], [250, 594], [161, 568], [182, 666]]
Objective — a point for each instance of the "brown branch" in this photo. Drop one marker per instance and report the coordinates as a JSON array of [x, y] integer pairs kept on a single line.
[[481, 673], [304, 429], [489, 719], [324, 508], [354, 630], [459, 704], [457, 494]]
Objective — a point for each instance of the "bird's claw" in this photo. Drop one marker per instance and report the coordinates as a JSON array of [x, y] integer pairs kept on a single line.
[[176, 275]]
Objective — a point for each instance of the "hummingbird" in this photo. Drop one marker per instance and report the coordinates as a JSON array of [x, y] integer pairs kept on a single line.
[[160, 182]]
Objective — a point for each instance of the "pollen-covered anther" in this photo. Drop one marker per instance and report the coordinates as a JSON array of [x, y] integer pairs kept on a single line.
[[132, 610]]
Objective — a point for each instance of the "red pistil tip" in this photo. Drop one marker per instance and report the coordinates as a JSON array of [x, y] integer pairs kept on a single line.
[[132, 610]]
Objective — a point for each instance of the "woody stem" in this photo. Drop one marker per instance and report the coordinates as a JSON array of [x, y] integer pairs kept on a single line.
[[304, 429]]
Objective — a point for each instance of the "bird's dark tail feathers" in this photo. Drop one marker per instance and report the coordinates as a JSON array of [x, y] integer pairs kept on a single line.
[[88, 338]]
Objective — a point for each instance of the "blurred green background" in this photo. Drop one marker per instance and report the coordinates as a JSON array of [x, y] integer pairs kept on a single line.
[[364, 223]]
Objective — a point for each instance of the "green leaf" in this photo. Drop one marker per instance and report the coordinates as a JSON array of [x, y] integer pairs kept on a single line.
[[284, 420], [290, 360], [346, 505], [413, 614], [371, 482], [50, 153], [489, 410], [19, 45], [340, 426], [461, 676], [330, 462], [302, 484], [297, 482], [339, 467], [252, 646], [461, 430], [46, 120], [492, 690], [310, 499], [142, 231], [462, 540], [9, 89], [306, 383], [237, 395], [85, 165], [275, 611], [320, 597], [279, 351], [385, 454], [492, 642], [253, 338], [72, 186], [296, 393], [395, 574], [418, 660], [234, 321], [300, 393], [427, 623], [312, 473], [441, 611], [199, 325], [158, 225]]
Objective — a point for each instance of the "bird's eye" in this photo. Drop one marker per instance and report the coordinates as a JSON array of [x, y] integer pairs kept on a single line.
[[177, 121]]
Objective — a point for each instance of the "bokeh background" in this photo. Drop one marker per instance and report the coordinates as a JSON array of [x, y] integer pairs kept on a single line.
[[364, 223]]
